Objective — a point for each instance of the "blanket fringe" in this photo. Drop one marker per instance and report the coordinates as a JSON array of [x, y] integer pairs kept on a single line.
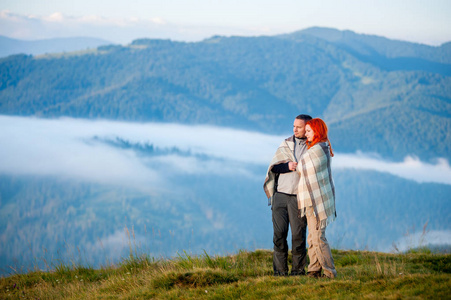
[[326, 222]]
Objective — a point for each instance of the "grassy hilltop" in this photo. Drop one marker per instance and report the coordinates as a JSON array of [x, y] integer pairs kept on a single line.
[[246, 275]]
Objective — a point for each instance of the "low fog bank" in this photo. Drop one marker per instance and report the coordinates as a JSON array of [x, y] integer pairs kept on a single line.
[[424, 238], [89, 150]]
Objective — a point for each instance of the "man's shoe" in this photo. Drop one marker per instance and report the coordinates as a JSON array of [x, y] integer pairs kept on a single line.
[[277, 273], [297, 273]]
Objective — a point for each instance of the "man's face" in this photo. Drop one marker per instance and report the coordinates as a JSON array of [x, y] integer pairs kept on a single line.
[[299, 128]]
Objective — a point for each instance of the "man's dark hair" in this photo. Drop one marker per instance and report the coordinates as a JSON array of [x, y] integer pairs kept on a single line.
[[305, 118]]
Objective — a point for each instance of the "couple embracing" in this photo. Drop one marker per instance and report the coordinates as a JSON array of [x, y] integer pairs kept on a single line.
[[301, 191]]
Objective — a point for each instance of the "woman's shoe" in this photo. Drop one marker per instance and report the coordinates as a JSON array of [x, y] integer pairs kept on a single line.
[[314, 274]]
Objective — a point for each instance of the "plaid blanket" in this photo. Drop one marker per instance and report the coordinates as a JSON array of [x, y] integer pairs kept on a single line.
[[316, 187], [284, 154]]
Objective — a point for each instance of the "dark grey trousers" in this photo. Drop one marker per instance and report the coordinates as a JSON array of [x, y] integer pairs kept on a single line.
[[284, 214]]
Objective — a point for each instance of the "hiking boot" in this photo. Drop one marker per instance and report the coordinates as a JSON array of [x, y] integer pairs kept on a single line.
[[314, 274], [297, 273]]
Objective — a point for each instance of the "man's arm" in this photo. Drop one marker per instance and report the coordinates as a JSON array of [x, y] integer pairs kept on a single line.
[[284, 167]]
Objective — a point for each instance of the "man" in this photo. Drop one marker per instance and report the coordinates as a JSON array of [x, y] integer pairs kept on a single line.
[[280, 186]]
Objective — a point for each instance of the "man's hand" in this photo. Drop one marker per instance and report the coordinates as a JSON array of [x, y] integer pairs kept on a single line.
[[292, 165]]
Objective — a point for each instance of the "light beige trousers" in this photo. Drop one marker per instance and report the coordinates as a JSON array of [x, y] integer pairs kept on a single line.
[[318, 247]]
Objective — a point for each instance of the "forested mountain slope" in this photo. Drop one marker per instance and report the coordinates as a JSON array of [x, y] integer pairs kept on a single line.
[[388, 95]]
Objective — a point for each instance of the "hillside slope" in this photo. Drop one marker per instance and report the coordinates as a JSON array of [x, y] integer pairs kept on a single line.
[[246, 275]]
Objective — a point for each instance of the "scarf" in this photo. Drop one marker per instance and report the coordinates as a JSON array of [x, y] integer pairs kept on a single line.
[[283, 154], [316, 187]]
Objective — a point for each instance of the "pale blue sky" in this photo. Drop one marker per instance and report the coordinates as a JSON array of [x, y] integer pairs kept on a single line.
[[424, 21]]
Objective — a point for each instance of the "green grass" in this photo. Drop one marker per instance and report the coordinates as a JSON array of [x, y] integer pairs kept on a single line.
[[245, 275]]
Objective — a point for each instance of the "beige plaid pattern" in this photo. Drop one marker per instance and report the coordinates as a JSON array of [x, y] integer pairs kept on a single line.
[[316, 186], [283, 154]]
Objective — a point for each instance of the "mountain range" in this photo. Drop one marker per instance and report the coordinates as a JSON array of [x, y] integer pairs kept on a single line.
[[386, 98], [10, 46], [389, 94]]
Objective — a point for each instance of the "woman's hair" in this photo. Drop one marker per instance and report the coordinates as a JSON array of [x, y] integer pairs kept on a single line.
[[319, 129]]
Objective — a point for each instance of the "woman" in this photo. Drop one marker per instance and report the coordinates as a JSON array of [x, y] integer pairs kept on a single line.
[[316, 197]]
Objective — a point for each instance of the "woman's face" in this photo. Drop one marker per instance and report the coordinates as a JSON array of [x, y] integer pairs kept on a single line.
[[309, 133]]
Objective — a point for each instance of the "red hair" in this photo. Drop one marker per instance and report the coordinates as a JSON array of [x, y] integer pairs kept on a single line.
[[319, 129]]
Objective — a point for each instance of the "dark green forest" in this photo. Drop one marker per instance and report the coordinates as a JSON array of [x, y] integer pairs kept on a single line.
[[377, 95]]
